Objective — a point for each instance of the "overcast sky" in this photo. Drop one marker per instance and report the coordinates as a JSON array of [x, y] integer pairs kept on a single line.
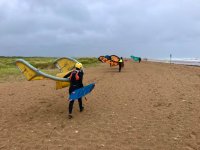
[[146, 28]]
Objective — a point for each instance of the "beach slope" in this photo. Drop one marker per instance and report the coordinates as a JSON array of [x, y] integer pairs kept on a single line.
[[152, 106]]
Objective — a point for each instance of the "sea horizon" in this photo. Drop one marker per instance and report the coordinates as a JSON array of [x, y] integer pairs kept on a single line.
[[183, 61]]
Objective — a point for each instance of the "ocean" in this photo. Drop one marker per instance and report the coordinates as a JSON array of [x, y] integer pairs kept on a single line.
[[184, 61]]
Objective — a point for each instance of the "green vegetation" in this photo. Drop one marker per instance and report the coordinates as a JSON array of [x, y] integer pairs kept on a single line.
[[9, 70], [88, 61]]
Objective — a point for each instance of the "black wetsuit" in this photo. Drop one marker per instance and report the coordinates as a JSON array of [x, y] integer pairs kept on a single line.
[[74, 85], [139, 59]]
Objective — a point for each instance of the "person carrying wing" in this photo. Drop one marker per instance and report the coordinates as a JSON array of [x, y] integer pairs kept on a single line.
[[121, 64], [76, 82]]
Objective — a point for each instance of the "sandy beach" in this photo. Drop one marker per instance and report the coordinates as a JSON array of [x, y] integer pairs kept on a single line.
[[148, 106]]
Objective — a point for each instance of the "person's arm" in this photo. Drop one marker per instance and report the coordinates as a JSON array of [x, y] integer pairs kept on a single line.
[[67, 75]]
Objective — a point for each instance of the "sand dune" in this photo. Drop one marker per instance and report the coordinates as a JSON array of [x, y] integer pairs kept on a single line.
[[148, 106]]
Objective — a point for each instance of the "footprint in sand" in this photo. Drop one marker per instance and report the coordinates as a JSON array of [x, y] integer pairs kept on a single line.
[[195, 144], [11, 94], [189, 147], [193, 136]]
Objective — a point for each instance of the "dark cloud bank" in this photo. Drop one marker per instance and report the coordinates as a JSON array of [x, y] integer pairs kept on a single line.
[[147, 28]]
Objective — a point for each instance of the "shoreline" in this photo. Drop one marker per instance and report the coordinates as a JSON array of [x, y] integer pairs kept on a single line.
[[177, 62]]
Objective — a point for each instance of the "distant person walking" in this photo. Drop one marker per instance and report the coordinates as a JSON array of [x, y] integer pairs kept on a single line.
[[121, 64], [139, 59]]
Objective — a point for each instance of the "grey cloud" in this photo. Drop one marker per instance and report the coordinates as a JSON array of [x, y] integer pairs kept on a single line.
[[148, 28]]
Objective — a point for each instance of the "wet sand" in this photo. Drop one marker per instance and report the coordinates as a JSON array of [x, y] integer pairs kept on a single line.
[[148, 106]]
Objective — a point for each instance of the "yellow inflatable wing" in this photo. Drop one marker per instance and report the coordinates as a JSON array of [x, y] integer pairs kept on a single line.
[[65, 64], [61, 84], [32, 73]]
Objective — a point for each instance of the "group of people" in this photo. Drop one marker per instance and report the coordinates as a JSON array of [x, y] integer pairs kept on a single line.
[[76, 82]]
